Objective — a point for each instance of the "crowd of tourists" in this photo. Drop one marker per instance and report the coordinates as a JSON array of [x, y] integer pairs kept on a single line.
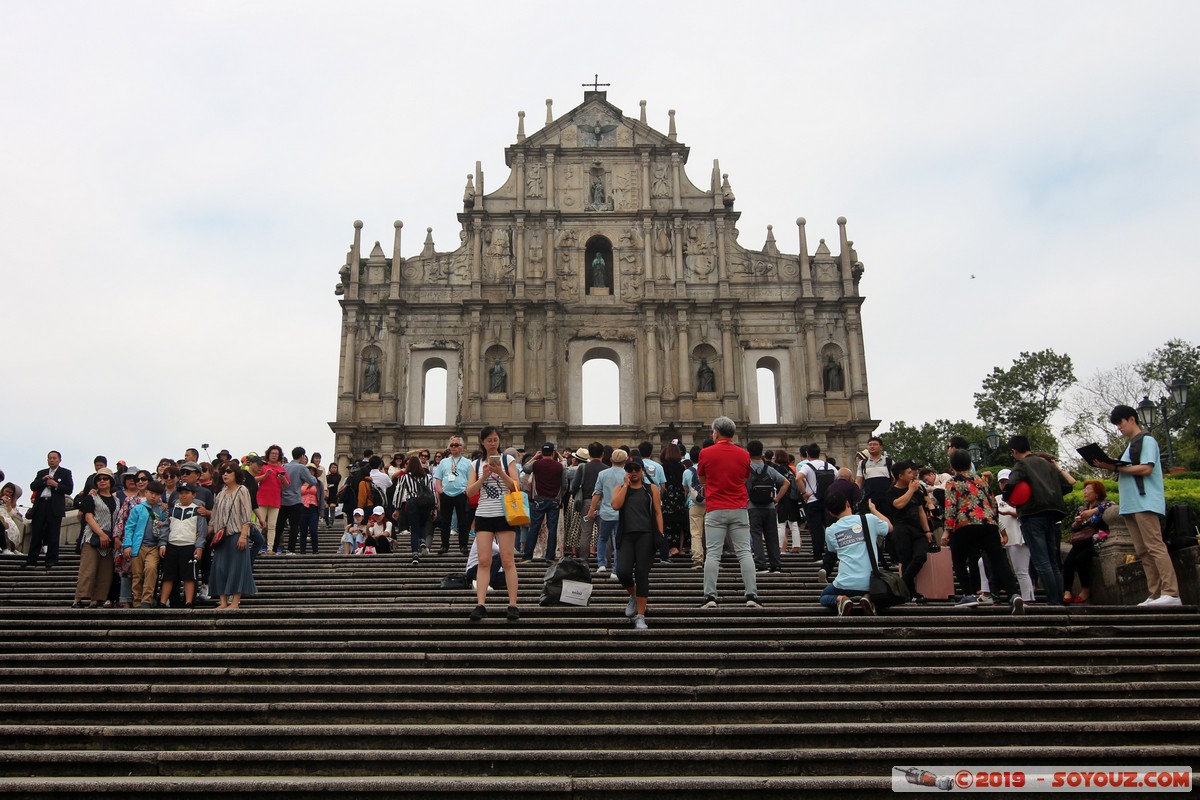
[[190, 530]]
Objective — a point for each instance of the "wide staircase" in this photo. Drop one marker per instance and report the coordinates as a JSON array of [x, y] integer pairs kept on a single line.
[[358, 677]]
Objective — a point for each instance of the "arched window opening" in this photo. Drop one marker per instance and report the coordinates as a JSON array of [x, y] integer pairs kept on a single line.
[[435, 385], [601, 391], [769, 399]]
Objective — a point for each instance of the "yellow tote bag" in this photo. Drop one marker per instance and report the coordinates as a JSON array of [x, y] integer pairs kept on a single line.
[[516, 510]]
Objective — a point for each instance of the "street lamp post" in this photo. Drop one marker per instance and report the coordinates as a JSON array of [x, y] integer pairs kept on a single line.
[[1171, 408], [992, 442]]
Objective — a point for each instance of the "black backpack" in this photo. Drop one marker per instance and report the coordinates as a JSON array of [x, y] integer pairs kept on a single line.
[[826, 475], [762, 486], [422, 495], [1181, 528]]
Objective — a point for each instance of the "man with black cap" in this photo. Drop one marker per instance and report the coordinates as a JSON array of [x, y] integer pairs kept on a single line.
[[543, 500]]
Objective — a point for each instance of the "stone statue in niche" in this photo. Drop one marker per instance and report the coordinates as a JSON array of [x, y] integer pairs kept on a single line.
[[599, 272], [660, 184], [533, 181], [536, 256], [497, 378], [833, 378], [371, 376], [706, 379], [597, 192]]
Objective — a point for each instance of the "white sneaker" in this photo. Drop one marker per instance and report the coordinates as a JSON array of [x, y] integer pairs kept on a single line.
[[613, 576], [1146, 602], [1164, 601], [601, 570]]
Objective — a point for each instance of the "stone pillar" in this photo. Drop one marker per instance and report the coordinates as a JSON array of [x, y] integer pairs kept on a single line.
[[677, 277], [471, 368], [518, 376], [651, 355], [728, 355], [685, 377], [394, 293], [391, 376], [477, 255], [854, 346], [722, 262], [677, 201], [646, 182], [1114, 553], [847, 272], [355, 259], [549, 183], [806, 288], [810, 355], [350, 364], [519, 254], [552, 392], [520, 170]]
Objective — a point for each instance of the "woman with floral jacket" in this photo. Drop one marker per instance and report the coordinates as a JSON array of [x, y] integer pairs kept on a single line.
[[971, 528]]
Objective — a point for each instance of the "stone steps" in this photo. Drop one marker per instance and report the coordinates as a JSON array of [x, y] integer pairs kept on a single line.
[[359, 677]]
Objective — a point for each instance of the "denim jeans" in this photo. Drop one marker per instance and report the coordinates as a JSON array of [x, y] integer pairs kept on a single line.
[[733, 523], [608, 536], [829, 597], [539, 509], [1041, 534]]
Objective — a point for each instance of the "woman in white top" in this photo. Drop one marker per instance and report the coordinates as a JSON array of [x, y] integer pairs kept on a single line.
[[492, 477]]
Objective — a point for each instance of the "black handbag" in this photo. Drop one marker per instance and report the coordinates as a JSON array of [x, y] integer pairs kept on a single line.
[[886, 589]]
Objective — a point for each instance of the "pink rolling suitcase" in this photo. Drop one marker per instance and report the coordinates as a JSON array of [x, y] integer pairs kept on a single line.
[[936, 578]]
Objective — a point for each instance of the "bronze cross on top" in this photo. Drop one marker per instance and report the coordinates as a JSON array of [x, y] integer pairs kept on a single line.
[[596, 84]]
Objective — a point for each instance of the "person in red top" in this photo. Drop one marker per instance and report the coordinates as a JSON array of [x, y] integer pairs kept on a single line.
[[543, 500], [723, 470]]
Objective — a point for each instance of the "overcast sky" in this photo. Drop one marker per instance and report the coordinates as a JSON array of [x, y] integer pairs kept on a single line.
[[179, 182]]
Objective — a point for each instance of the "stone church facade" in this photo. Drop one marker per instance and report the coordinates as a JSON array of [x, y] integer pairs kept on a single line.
[[599, 245]]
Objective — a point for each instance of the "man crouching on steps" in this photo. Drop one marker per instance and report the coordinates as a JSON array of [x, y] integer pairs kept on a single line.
[[847, 538]]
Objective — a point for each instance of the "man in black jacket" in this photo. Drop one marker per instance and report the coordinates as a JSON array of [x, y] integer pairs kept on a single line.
[[50, 490], [1041, 515]]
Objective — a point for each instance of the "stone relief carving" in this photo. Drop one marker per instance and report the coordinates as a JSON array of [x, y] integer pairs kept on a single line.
[[536, 256], [660, 183], [569, 186], [825, 271], [755, 267], [500, 267], [533, 181], [412, 270], [624, 136], [625, 191], [570, 137], [789, 268], [599, 132], [698, 259]]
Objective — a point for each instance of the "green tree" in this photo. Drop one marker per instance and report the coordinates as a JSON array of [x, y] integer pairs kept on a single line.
[[926, 445], [1175, 359], [1023, 398]]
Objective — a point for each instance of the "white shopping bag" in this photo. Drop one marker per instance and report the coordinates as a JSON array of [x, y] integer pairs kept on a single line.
[[575, 593]]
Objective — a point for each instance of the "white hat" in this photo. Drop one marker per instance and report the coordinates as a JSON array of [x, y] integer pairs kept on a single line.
[[1004, 473], [358, 512], [377, 511]]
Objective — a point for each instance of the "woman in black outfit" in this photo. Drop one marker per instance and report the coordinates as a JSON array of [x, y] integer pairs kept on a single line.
[[641, 522], [674, 501]]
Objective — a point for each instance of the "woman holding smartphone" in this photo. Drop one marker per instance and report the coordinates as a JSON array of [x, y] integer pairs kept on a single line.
[[492, 477]]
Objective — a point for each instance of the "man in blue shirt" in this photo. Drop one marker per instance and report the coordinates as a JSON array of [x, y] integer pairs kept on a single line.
[[610, 518], [452, 474], [1143, 506], [846, 538]]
